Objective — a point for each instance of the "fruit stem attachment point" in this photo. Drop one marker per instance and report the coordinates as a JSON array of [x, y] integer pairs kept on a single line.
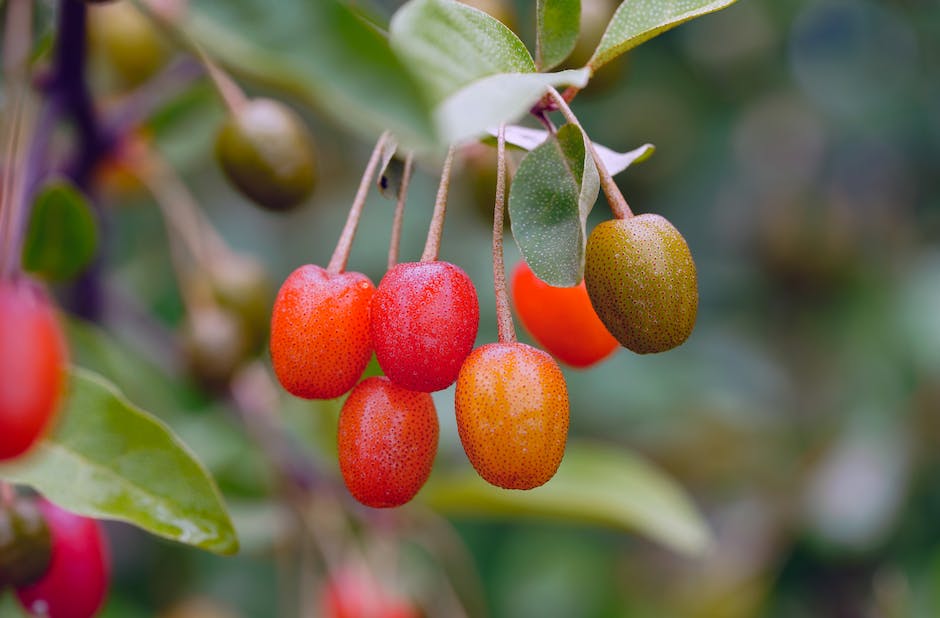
[[507, 332], [618, 204], [7, 494], [432, 246], [400, 212], [344, 244]]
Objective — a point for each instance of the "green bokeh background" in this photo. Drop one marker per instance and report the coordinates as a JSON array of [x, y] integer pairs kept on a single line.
[[798, 151]]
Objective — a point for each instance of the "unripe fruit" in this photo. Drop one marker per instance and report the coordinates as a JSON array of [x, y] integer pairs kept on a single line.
[[266, 151], [512, 414], [641, 279], [32, 366], [387, 441], [25, 544], [320, 342], [216, 343], [424, 321], [562, 320], [128, 41], [76, 582], [241, 285]]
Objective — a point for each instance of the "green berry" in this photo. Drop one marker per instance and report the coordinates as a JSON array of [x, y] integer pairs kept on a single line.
[[25, 545], [642, 282], [265, 150]]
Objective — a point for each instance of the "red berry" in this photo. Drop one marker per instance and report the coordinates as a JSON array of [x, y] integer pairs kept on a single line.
[[562, 320], [76, 583], [354, 593], [32, 366], [320, 341], [387, 440], [425, 317], [512, 414]]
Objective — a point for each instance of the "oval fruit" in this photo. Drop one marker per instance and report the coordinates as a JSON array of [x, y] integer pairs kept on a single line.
[[25, 543], [387, 441], [512, 414], [562, 320], [267, 152], [642, 282], [76, 583], [32, 367], [424, 322], [320, 342]]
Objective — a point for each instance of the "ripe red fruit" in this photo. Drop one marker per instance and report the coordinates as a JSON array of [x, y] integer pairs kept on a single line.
[[425, 317], [353, 593], [387, 441], [320, 341], [76, 582], [512, 414], [562, 320], [32, 366]]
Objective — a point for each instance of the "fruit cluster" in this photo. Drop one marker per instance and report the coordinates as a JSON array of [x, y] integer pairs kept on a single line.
[[511, 400], [56, 561]]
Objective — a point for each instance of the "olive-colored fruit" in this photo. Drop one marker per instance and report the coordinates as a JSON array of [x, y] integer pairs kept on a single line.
[[642, 282], [240, 284], [215, 343], [25, 544], [127, 41], [267, 152]]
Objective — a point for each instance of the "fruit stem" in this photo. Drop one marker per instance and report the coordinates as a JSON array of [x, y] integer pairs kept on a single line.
[[400, 212], [231, 93], [344, 244], [507, 332], [618, 204], [432, 246], [7, 494]]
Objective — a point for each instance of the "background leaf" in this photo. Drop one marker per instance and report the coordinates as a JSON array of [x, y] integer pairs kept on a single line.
[[449, 45], [322, 53], [595, 485], [109, 459], [637, 21], [493, 100], [551, 195], [558, 22], [62, 236], [616, 162]]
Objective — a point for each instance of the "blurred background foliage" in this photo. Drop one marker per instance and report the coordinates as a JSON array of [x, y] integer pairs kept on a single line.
[[798, 150]]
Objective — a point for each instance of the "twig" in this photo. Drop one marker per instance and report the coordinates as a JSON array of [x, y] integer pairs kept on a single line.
[[432, 245], [395, 242], [507, 332]]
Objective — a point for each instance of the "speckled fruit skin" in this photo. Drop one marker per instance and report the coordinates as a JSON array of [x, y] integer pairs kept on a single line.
[[320, 342], [387, 441], [32, 366], [642, 282], [76, 582], [267, 152], [425, 317], [562, 320], [512, 414]]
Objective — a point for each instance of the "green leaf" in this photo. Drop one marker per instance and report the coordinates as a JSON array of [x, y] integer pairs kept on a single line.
[[616, 162], [557, 31], [322, 53], [109, 459], [449, 45], [551, 196], [62, 236], [637, 21], [493, 100], [596, 485]]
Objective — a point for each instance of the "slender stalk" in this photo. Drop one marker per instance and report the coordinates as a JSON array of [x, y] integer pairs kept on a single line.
[[507, 332], [432, 247], [618, 204], [344, 245], [231, 93], [7, 494], [400, 212]]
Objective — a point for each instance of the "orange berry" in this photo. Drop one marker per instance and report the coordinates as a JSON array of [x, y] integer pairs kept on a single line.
[[512, 414], [320, 342], [387, 441], [562, 320]]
